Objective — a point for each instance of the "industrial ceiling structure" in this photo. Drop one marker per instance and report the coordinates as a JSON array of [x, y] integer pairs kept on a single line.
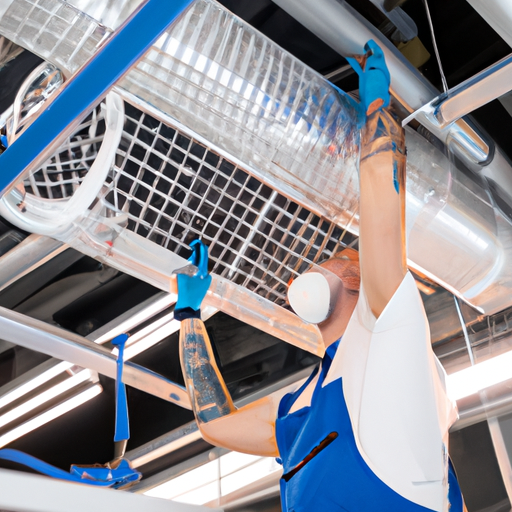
[[231, 128]]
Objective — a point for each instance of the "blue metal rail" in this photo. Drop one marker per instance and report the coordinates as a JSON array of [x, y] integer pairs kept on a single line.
[[89, 85]]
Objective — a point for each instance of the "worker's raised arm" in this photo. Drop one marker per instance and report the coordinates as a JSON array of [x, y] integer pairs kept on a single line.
[[250, 429], [382, 188]]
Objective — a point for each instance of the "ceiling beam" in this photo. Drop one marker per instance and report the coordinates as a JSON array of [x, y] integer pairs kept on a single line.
[[61, 344]]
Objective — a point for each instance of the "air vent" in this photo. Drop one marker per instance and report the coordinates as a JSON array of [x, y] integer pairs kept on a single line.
[[61, 175], [173, 189]]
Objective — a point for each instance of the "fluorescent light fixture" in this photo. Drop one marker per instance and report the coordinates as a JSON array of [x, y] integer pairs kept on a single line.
[[50, 415], [190, 481], [44, 397], [34, 383], [204, 494], [479, 376], [137, 318], [234, 461], [216, 479], [151, 335], [248, 475]]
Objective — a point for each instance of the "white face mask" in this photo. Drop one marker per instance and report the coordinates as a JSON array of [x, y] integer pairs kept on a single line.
[[310, 296]]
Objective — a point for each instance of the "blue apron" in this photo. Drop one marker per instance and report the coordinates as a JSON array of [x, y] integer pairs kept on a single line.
[[322, 468]]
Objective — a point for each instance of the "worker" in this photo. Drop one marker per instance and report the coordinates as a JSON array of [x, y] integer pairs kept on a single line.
[[368, 431]]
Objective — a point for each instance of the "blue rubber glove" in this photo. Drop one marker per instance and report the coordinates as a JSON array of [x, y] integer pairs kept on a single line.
[[192, 288], [374, 80]]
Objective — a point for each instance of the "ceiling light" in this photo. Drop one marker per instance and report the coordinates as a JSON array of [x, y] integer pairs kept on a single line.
[[50, 415], [216, 478], [479, 376], [44, 397], [34, 383], [163, 301]]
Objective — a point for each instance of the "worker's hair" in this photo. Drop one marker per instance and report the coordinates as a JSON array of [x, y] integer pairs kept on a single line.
[[345, 264]]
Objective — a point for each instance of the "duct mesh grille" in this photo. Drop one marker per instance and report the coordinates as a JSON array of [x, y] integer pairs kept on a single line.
[[62, 174], [172, 190]]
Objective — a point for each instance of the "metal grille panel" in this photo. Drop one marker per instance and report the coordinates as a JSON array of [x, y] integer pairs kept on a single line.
[[62, 174], [172, 190]]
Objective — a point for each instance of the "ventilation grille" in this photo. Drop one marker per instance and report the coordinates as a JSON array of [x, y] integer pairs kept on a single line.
[[62, 174], [172, 190]]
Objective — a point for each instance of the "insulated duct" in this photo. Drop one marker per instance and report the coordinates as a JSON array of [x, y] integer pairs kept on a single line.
[[236, 94]]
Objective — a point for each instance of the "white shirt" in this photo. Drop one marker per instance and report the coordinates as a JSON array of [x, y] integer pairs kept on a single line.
[[394, 388]]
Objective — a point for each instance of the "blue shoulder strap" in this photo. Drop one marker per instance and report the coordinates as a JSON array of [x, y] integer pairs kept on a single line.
[[289, 399], [454, 493]]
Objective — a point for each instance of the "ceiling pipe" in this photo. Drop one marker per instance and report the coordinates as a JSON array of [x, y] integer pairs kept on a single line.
[[439, 244], [346, 31], [61, 344], [29, 255], [498, 13]]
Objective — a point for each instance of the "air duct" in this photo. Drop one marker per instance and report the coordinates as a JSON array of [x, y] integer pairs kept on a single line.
[[230, 101]]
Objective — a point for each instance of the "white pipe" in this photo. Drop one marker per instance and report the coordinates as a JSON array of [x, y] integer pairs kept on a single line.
[[498, 13], [56, 342]]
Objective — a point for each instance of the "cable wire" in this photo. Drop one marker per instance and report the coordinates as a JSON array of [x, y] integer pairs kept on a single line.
[[434, 43]]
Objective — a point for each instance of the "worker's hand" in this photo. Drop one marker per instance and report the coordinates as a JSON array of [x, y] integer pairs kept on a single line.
[[374, 79], [192, 288]]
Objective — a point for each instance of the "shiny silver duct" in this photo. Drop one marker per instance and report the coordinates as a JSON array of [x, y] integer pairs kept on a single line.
[[498, 13], [255, 105]]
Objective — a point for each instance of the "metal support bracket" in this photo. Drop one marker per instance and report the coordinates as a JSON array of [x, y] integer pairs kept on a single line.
[[444, 112], [48, 339]]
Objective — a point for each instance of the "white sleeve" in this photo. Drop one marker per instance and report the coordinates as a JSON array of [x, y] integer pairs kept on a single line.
[[395, 394]]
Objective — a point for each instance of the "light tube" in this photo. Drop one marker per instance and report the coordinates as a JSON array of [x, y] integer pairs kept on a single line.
[[479, 376], [137, 318], [248, 475], [34, 383], [200, 496], [148, 340], [190, 481], [44, 397], [50, 415], [216, 479]]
